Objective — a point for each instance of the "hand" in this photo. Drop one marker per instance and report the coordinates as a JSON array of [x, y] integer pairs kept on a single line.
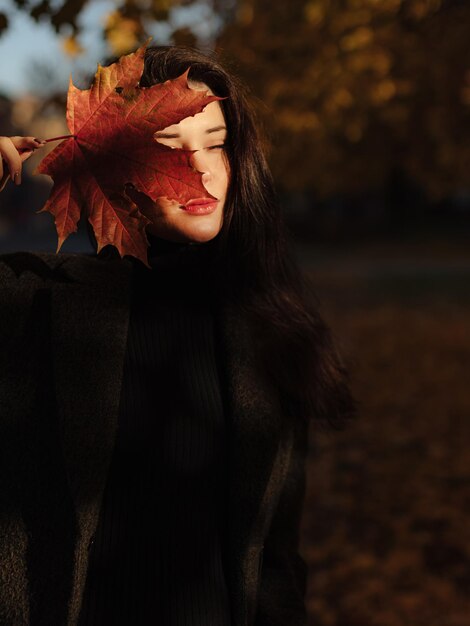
[[13, 151]]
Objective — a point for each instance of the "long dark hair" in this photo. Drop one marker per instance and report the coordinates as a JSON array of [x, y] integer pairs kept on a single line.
[[255, 264]]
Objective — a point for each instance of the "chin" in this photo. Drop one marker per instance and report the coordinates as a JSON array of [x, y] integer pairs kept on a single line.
[[200, 232], [200, 228], [203, 235]]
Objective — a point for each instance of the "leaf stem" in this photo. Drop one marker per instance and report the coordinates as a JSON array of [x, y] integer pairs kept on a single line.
[[61, 137]]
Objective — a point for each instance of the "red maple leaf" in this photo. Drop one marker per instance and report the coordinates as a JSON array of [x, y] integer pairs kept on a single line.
[[112, 145]]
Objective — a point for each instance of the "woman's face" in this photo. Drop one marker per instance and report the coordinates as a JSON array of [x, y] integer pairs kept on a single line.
[[205, 133]]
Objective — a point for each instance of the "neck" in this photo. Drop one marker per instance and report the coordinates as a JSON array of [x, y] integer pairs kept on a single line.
[[159, 245], [168, 253]]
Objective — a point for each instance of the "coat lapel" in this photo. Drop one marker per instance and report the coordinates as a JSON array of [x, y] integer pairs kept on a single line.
[[89, 331], [89, 322], [258, 458]]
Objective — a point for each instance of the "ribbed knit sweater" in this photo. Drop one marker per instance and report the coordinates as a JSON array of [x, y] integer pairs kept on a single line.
[[158, 553]]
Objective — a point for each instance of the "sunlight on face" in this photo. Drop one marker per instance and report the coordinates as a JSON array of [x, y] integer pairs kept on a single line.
[[206, 133]]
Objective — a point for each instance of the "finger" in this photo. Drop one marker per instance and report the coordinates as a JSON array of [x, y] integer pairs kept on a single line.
[[27, 143], [12, 158], [4, 176], [25, 154]]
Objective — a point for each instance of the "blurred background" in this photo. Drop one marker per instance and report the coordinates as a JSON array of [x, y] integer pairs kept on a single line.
[[366, 110]]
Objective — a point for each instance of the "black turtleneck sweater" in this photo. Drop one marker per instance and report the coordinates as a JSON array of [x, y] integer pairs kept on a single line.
[[158, 556]]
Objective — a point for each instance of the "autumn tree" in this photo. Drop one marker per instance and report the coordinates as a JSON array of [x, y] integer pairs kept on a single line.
[[356, 89]]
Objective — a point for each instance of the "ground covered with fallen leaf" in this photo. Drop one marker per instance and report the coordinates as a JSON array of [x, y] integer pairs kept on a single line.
[[385, 529]]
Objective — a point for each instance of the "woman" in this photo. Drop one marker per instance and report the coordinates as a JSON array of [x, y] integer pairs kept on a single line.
[[157, 420]]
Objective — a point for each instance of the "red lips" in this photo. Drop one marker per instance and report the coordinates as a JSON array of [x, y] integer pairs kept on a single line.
[[201, 201], [201, 206]]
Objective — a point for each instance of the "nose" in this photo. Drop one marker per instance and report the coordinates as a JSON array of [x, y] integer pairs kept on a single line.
[[200, 162]]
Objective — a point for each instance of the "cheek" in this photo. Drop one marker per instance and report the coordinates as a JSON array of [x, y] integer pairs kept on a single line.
[[146, 206], [158, 209], [163, 205], [224, 175]]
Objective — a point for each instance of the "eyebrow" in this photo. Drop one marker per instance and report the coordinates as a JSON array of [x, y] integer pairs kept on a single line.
[[176, 135]]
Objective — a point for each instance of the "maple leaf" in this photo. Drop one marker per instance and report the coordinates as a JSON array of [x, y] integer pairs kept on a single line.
[[112, 147]]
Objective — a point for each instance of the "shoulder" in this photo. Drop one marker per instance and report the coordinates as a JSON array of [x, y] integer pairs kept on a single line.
[[32, 267]]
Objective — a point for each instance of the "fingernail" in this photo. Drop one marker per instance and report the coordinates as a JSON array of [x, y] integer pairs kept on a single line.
[[16, 178]]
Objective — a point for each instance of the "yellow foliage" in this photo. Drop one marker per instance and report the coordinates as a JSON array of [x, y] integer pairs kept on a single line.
[[314, 13], [339, 99], [71, 47], [383, 92], [360, 38], [351, 19], [298, 121], [420, 9], [245, 13], [384, 6], [162, 5], [381, 61], [361, 61], [354, 131], [277, 87], [121, 33]]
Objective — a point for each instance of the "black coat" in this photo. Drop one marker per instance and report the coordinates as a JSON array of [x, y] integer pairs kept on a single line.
[[63, 329]]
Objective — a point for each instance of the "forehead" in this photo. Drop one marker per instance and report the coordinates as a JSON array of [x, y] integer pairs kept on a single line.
[[211, 117]]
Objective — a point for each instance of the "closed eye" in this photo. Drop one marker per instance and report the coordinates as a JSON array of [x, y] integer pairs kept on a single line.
[[219, 147]]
